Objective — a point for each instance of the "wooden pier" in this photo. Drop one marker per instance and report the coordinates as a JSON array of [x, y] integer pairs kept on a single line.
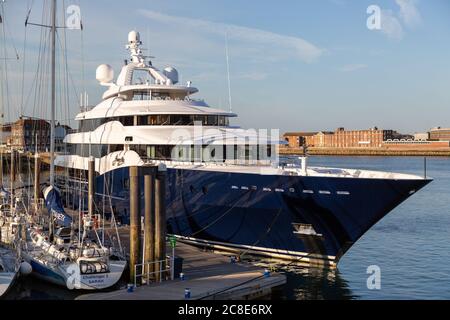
[[208, 276]]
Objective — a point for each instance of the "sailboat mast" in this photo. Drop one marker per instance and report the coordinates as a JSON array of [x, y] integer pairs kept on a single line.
[[53, 105]]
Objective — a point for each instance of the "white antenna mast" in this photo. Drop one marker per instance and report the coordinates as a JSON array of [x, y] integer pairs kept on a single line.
[[228, 72]]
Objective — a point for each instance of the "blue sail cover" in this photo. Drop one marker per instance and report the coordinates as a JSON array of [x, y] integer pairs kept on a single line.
[[55, 208]]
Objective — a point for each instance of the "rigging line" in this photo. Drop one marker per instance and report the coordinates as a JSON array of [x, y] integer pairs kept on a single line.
[[222, 216], [264, 235], [83, 79], [5, 66], [113, 218], [38, 81], [40, 98], [7, 35], [24, 58]]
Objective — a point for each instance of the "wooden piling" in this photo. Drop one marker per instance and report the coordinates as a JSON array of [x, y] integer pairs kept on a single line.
[[135, 222], [149, 217], [160, 219], [91, 185]]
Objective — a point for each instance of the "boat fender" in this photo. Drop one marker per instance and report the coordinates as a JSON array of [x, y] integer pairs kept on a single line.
[[25, 268]]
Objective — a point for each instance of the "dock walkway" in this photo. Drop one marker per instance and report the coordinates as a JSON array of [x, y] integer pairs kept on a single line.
[[208, 276]]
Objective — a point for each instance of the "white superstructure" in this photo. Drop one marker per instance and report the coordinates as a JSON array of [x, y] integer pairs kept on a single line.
[[146, 115]]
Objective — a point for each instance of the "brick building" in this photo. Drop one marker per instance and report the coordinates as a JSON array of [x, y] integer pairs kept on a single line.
[[372, 138], [440, 134], [5, 132], [298, 139], [341, 138], [27, 132]]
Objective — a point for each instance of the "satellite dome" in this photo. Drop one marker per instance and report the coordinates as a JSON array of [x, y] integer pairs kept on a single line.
[[134, 37], [104, 73], [172, 74]]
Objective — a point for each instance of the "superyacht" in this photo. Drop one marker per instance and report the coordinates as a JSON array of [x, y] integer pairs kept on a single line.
[[225, 188]]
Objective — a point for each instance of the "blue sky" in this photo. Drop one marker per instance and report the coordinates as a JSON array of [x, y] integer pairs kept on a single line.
[[295, 65]]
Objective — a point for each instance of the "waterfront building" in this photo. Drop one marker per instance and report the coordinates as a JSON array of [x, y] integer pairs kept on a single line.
[[341, 138], [298, 139], [423, 136], [29, 134], [440, 134], [5, 139]]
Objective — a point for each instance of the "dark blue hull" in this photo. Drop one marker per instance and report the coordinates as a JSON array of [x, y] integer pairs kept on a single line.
[[304, 218]]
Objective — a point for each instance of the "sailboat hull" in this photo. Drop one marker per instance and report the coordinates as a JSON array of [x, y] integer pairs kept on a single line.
[[7, 280], [68, 277]]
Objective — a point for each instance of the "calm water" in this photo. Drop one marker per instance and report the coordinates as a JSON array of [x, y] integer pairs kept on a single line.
[[411, 246]]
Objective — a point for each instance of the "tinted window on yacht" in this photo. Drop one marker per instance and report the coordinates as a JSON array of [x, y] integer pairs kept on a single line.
[[248, 154], [157, 120], [90, 124], [147, 95], [181, 120], [84, 150]]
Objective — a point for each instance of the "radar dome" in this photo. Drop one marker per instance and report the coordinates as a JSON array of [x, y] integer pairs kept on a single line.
[[134, 37], [172, 74], [104, 73]]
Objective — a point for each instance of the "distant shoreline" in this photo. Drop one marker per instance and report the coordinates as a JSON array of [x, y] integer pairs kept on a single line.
[[365, 152]]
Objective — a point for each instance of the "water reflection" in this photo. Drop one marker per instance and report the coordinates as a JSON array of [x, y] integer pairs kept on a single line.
[[306, 283], [315, 284], [30, 288]]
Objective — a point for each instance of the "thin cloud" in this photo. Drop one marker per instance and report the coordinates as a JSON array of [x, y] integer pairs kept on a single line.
[[390, 25], [278, 45], [353, 67], [409, 13], [253, 76]]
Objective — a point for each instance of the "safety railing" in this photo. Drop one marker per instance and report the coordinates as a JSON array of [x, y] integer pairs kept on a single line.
[[162, 268]]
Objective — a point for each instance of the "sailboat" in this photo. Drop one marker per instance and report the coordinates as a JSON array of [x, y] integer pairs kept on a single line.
[[11, 265], [8, 270], [12, 227], [64, 259], [57, 255]]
